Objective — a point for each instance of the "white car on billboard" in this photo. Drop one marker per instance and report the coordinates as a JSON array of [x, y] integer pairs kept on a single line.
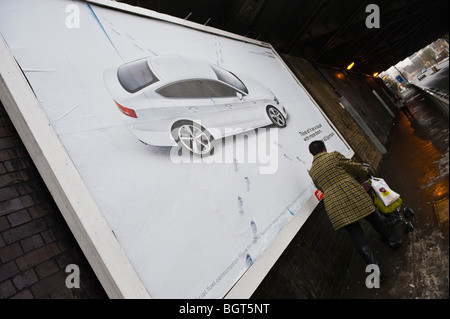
[[170, 100]]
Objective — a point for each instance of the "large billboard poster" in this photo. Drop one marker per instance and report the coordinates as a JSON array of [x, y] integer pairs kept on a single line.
[[193, 144]]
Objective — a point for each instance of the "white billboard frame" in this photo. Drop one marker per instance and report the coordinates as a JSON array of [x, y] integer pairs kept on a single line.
[[95, 237], [76, 204]]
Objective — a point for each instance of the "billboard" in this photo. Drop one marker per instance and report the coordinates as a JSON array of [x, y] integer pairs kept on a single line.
[[177, 153]]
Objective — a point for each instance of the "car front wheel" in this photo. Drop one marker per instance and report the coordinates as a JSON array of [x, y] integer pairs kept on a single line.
[[276, 117], [193, 137]]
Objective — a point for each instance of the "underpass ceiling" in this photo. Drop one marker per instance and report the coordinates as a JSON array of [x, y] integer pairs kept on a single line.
[[331, 32]]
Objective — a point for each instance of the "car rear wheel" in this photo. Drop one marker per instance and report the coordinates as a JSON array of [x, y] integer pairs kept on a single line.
[[193, 137], [276, 117]]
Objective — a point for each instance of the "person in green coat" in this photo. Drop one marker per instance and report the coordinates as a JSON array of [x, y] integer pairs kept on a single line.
[[346, 202]]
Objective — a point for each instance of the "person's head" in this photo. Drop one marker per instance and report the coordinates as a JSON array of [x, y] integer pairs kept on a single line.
[[317, 147]]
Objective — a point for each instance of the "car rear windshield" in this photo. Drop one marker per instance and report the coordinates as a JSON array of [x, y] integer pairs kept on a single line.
[[135, 75], [229, 78]]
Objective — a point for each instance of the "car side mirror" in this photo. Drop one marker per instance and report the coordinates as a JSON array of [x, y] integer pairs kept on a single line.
[[239, 95]]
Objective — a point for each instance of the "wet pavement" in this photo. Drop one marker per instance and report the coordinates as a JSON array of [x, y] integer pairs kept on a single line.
[[416, 166]]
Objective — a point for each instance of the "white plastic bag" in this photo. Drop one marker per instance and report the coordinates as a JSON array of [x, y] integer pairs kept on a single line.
[[383, 191]]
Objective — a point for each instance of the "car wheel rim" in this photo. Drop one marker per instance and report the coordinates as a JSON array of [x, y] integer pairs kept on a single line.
[[276, 116], [194, 139]]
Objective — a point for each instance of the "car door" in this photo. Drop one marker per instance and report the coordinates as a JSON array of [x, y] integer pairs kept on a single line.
[[233, 107], [186, 98]]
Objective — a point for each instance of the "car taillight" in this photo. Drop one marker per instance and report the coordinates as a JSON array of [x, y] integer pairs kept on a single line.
[[126, 111]]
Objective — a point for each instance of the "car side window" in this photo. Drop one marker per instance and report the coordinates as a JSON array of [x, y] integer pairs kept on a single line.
[[191, 89], [217, 89], [228, 77]]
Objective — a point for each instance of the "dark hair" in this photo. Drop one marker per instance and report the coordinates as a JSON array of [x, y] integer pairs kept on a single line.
[[316, 147]]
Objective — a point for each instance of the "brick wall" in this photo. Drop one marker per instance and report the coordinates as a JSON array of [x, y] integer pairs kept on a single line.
[[326, 92], [36, 244], [358, 90]]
